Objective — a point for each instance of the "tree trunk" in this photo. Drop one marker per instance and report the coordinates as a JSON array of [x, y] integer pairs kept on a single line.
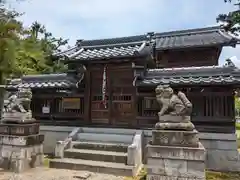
[[2, 92]]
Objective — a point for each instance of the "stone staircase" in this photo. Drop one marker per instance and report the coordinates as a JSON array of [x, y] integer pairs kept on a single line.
[[100, 151]]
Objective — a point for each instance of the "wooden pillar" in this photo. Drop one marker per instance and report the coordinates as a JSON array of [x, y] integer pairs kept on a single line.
[[87, 96]]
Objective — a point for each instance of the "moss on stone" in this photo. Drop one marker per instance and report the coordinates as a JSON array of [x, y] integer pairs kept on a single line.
[[210, 175], [222, 176]]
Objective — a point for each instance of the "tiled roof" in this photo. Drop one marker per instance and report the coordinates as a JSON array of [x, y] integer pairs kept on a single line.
[[43, 81], [67, 52], [113, 41], [112, 48], [109, 48], [191, 76], [111, 51], [194, 38], [139, 45]]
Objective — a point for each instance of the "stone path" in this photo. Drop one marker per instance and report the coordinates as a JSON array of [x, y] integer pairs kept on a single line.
[[42, 173]]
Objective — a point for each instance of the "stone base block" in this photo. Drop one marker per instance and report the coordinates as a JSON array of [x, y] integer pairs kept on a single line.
[[185, 163], [19, 159], [19, 129], [174, 118], [175, 138], [22, 140], [159, 177], [21, 165], [17, 117], [186, 126]]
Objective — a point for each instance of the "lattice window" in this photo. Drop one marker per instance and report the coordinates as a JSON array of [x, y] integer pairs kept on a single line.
[[147, 106], [150, 103], [123, 107], [217, 104], [122, 98], [99, 98]]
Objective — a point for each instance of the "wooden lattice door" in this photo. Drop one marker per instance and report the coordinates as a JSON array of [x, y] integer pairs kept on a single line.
[[122, 110], [99, 113]]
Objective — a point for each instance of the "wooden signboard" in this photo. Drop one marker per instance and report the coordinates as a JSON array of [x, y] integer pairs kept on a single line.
[[71, 103]]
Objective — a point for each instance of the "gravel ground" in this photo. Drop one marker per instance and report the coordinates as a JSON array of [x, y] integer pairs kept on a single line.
[[42, 173]]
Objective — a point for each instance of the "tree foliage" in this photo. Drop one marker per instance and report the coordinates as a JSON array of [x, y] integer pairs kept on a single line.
[[232, 19], [10, 31], [35, 50], [237, 106], [25, 50]]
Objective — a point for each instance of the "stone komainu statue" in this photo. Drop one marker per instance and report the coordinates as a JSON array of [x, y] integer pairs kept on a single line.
[[19, 101], [172, 104]]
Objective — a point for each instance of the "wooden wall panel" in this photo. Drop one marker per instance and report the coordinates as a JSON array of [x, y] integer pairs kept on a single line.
[[188, 57]]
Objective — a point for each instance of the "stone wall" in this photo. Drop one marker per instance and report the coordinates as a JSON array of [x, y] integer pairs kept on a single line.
[[222, 153]]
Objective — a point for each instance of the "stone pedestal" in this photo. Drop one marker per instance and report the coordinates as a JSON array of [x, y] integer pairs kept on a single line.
[[175, 155], [21, 144], [175, 163]]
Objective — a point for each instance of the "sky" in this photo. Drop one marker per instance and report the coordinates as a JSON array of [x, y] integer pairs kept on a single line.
[[95, 19]]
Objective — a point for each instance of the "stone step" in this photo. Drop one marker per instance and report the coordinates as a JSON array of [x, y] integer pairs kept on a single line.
[[106, 138], [92, 166], [94, 155], [109, 131], [116, 147]]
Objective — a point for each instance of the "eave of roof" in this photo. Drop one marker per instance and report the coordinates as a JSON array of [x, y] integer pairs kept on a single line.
[[43, 81], [129, 46], [208, 75], [66, 52], [112, 48], [201, 37], [123, 50]]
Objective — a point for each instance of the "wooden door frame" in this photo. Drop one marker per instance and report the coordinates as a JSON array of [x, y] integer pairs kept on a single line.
[[87, 98]]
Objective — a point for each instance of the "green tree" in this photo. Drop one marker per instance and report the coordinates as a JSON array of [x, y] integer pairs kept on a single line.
[[232, 19], [25, 51], [49, 45], [34, 52], [10, 30], [237, 105]]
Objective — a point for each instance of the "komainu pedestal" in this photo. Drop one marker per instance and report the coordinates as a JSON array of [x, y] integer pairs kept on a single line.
[[175, 153], [21, 143]]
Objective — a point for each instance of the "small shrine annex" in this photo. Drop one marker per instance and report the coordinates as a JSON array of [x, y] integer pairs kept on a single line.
[[111, 82]]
